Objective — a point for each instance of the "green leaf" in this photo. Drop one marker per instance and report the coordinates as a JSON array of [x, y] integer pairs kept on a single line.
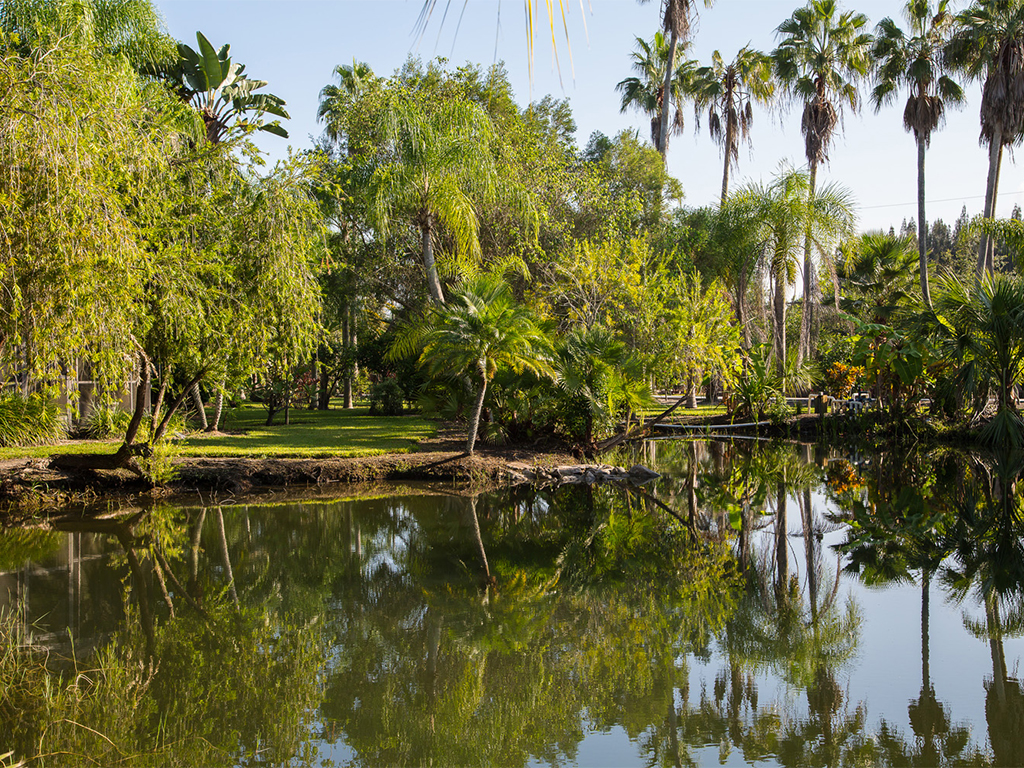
[[212, 65], [275, 128]]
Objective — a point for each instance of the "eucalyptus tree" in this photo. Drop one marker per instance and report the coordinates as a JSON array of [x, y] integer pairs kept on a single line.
[[789, 213], [438, 164], [729, 91], [821, 57], [988, 45], [913, 60], [646, 91], [678, 21], [481, 330]]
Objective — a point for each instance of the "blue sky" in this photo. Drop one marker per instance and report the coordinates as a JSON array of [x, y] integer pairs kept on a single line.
[[295, 45]]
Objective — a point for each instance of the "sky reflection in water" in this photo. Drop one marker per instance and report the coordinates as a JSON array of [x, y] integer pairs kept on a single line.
[[584, 626]]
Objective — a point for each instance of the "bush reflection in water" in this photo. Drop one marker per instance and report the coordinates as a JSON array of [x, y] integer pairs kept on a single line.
[[503, 628]]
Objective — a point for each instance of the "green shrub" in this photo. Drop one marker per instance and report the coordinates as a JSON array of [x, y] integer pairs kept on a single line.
[[386, 398], [104, 421], [33, 420]]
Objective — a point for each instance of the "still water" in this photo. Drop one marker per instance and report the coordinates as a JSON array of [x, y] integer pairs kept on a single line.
[[756, 605]]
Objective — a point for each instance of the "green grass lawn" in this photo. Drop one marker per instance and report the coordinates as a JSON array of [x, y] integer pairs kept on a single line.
[[336, 432], [682, 412]]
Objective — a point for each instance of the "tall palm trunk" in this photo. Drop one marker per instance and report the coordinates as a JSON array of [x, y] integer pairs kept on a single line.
[[666, 101], [922, 224], [995, 158], [781, 550], [433, 281], [347, 346], [728, 160], [730, 137], [806, 316], [780, 322]]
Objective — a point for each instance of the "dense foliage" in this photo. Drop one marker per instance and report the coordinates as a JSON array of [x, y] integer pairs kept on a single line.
[[146, 250]]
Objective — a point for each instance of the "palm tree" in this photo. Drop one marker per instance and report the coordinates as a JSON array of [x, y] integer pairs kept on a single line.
[[789, 211], [481, 330], [878, 277], [728, 91], [822, 55], [989, 45], [354, 81], [913, 60], [646, 91], [439, 160], [981, 327], [677, 20]]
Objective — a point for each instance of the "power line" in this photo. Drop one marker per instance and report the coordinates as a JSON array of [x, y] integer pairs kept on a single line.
[[946, 200]]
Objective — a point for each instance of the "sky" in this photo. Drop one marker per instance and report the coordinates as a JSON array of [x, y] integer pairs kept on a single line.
[[296, 44]]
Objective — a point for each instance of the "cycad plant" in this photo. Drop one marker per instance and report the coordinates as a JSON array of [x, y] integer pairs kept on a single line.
[[600, 380], [481, 330], [981, 328]]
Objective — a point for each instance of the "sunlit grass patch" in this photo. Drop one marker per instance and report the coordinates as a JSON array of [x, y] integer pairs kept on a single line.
[[336, 432]]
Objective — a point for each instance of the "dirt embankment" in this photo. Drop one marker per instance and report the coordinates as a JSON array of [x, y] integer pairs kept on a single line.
[[33, 483]]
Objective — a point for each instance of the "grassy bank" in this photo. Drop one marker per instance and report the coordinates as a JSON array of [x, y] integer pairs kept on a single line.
[[336, 432]]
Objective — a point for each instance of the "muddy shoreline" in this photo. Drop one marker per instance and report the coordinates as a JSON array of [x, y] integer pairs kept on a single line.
[[31, 489]]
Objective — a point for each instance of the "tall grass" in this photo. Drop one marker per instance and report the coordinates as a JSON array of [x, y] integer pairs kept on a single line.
[[33, 420]]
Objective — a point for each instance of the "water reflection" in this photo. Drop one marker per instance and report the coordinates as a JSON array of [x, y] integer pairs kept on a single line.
[[717, 615]]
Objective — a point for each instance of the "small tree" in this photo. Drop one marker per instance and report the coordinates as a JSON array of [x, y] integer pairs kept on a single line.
[[481, 330]]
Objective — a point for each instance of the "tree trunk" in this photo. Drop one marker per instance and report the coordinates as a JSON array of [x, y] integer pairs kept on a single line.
[[995, 156], [728, 162], [140, 400], [346, 343], [474, 523], [730, 137], [666, 101], [806, 316], [324, 398], [158, 433], [474, 421], [158, 405], [691, 393], [922, 224], [226, 557], [353, 370], [433, 281], [780, 323], [781, 546], [218, 408], [197, 400]]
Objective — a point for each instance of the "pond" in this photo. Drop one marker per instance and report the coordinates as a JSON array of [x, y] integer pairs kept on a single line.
[[758, 604]]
